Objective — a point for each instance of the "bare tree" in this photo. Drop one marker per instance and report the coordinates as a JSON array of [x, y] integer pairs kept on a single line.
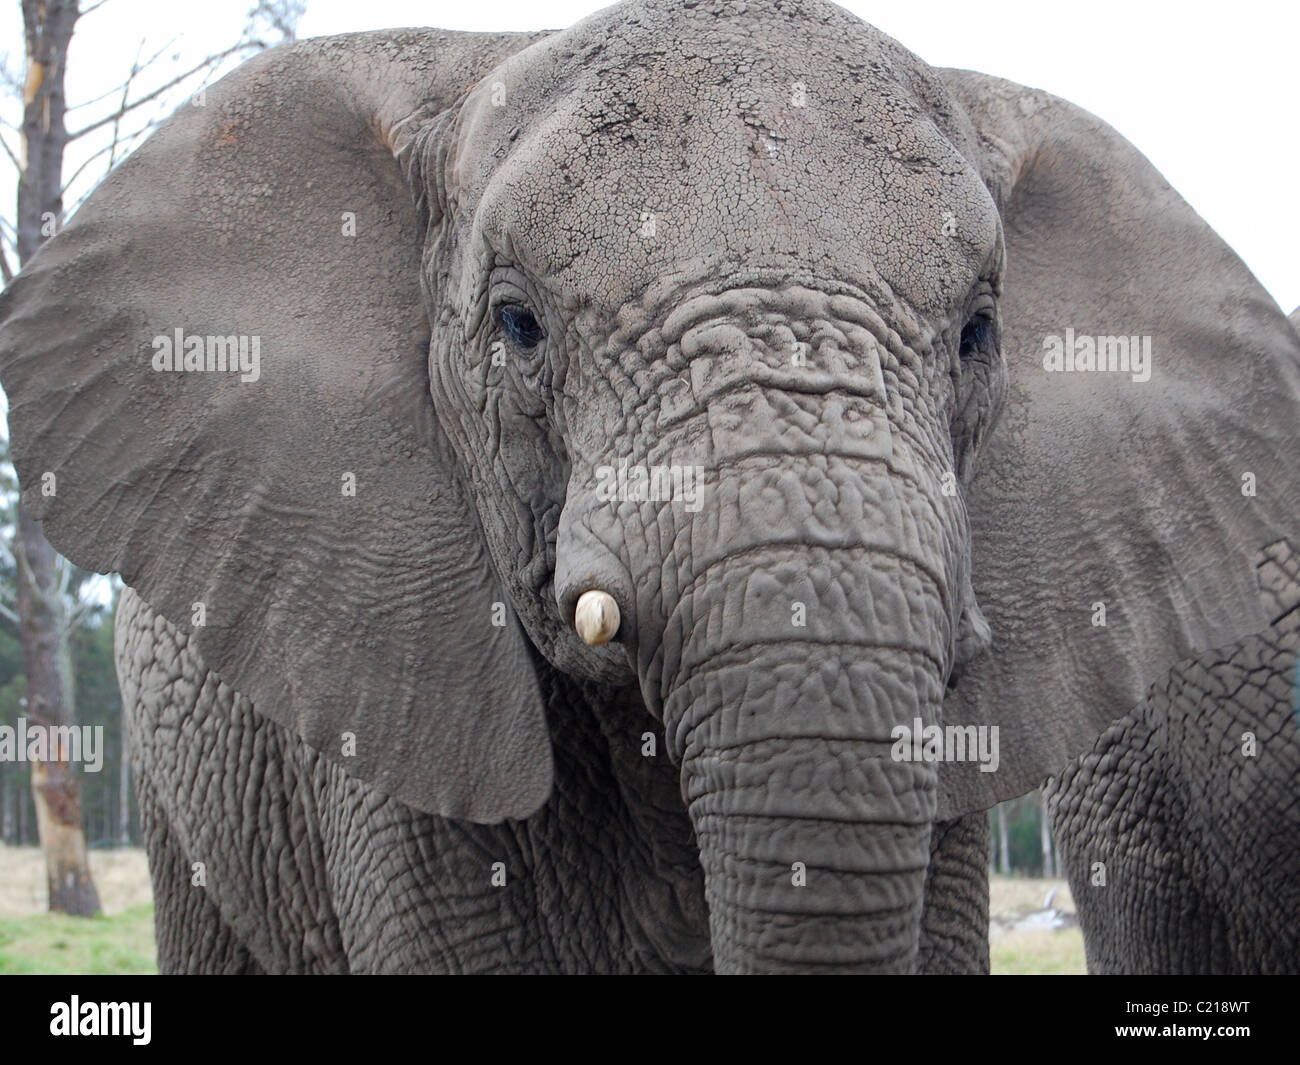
[[47, 26], [1049, 852], [42, 585], [1004, 848], [277, 18]]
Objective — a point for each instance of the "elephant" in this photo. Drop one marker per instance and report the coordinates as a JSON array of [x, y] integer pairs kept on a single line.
[[618, 499], [1180, 829]]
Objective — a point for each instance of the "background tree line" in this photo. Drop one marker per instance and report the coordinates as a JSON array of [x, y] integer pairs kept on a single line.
[[107, 800], [56, 643], [1022, 839]]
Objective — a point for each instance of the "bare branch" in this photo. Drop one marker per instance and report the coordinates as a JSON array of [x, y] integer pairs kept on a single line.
[[212, 60], [10, 152], [126, 141], [136, 68], [281, 16], [86, 603], [52, 595], [93, 7], [5, 270], [11, 80], [85, 163], [126, 96], [83, 609], [20, 562]]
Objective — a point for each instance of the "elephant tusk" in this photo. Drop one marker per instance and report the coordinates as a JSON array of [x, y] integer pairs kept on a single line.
[[596, 618]]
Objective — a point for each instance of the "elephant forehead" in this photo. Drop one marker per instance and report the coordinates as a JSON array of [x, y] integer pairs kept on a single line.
[[728, 146]]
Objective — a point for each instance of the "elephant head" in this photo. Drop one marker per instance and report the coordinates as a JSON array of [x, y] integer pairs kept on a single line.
[[738, 320]]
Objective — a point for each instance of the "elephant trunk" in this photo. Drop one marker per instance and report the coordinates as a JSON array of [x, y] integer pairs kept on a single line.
[[814, 834], [785, 619]]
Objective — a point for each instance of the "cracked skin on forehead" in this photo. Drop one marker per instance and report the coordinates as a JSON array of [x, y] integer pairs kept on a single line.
[[678, 143]]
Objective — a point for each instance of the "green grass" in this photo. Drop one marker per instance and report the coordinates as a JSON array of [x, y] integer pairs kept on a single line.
[[53, 943], [1046, 953], [56, 944]]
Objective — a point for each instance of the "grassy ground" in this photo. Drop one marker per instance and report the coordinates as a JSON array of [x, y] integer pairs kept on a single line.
[[54, 943], [121, 877], [1046, 952], [1022, 894], [1041, 953], [33, 941]]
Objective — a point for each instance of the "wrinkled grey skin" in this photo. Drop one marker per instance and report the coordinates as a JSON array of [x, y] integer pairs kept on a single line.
[[332, 877], [1180, 830], [753, 237]]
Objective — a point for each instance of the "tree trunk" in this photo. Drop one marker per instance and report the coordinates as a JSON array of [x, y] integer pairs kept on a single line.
[[1049, 863], [7, 810], [124, 787], [1004, 846], [48, 26], [50, 704]]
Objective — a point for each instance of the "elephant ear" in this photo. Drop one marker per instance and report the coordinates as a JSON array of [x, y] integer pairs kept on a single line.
[[301, 515], [1115, 523]]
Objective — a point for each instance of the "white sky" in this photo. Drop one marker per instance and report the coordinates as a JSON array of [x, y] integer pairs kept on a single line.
[[1210, 94]]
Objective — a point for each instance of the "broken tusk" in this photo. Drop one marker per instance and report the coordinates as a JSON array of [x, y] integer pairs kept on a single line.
[[596, 618]]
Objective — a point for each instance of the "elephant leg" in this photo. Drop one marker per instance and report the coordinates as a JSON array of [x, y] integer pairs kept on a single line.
[[955, 919], [233, 837], [604, 878], [308, 869], [191, 935], [1117, 817], [1179, 828]]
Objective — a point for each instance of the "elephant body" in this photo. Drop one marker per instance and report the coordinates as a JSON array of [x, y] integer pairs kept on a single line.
[[308, 870], [515, 692], [1180, 830]]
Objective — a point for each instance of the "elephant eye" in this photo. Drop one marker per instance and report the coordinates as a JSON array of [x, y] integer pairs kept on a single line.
[[975, 335], [518, 323]]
